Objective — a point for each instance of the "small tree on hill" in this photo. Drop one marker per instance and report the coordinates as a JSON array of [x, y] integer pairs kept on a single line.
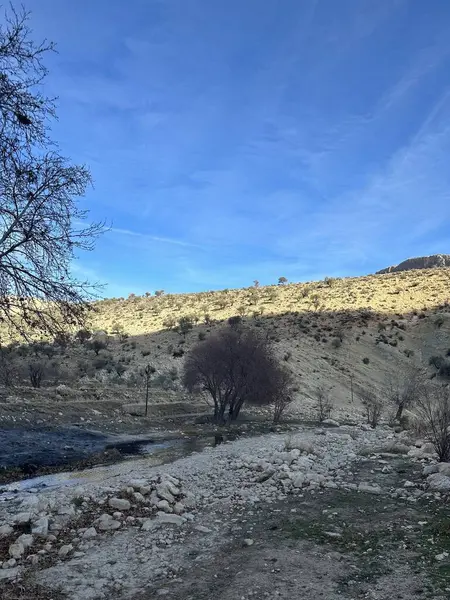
[[282, 280], [373, 407], [234, 366]]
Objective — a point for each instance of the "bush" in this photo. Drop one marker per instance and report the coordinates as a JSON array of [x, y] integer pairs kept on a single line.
[[373, 407], [234, 321], [324, 404], [98, 345], [201, 336], [185, 324], [365, 360], [434, 411], [83, 335], [178, 353], [336, 343], [237, 365], [36, 373]]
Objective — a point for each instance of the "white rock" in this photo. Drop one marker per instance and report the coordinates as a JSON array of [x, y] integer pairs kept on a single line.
[[16, 550], [248, 542], [26, 540], [139, 497], [40, 527], [89, 533], [438, 482], [368, 488], [65, 550], [5, 530], [330, 423], [22, 518], [164, 493], [119, 503], [165, 506], [170, 519], [444, 469], [430, 469]]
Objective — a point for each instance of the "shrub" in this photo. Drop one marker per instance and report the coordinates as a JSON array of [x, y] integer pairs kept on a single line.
[[185, 324], [83, 335], [433, 408], [178, 353], [237, 365], [98, 345], [36, 373], [336, 343], [366, 360], [324, 404], [373, 407], [201, 336], [329, 281], [169, 323]]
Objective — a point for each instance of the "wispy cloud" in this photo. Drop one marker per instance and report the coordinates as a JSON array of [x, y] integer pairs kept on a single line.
[[153, 238]]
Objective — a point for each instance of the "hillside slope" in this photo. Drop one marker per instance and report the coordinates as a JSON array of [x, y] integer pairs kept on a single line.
[[421, 262]]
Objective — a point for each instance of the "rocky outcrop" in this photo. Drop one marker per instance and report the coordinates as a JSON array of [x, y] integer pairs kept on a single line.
[[422, 262]]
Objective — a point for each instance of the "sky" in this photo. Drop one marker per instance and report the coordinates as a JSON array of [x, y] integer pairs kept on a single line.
[[245, 139]]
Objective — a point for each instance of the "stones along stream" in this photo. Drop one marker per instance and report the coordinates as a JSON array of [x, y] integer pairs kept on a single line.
[[45, 458]]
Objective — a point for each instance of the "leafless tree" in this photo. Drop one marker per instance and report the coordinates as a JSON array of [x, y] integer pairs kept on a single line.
[[433, 409], [40, 218], [237, 365], [403, 389], [373, 406], [324, 404]]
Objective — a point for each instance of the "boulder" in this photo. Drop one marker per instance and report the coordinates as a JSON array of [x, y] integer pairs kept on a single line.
[[164, 492], [162, 517], [107, 523], [430, 469], [119, 504], [444, 469], [438, 482]]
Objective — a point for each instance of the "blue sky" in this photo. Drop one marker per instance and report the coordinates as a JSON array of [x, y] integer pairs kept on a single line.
[[239, 140]]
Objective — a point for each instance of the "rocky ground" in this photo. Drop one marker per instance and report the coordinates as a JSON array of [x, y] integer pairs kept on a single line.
[[338, 512]]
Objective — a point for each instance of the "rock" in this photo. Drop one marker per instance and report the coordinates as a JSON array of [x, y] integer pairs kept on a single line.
[[266, 475], [89, 533], [202, 529], [444, 469], [409, 484], [5, 530], [298, 480], [430, 469], [330, 423], [428, 448], [170, 519], [16, 550], [369, 489], [65, 550], [178, 508], [107, 523], [164, 493], [441, 556], [164, 506], [139, 498], [26, 540], [438, 482], [119, 503], [22, 518], [9, 573], [40, 527], [248, 542], [333, 534]]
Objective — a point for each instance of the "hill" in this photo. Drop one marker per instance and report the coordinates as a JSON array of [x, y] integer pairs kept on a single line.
[[422, 262], [347, 334]]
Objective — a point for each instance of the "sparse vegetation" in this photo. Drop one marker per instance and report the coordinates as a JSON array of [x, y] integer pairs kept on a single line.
[[433, 408], [373, 407], [324, 404]]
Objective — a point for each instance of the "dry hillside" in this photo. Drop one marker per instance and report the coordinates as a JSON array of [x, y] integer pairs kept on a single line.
[[348, 334]]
